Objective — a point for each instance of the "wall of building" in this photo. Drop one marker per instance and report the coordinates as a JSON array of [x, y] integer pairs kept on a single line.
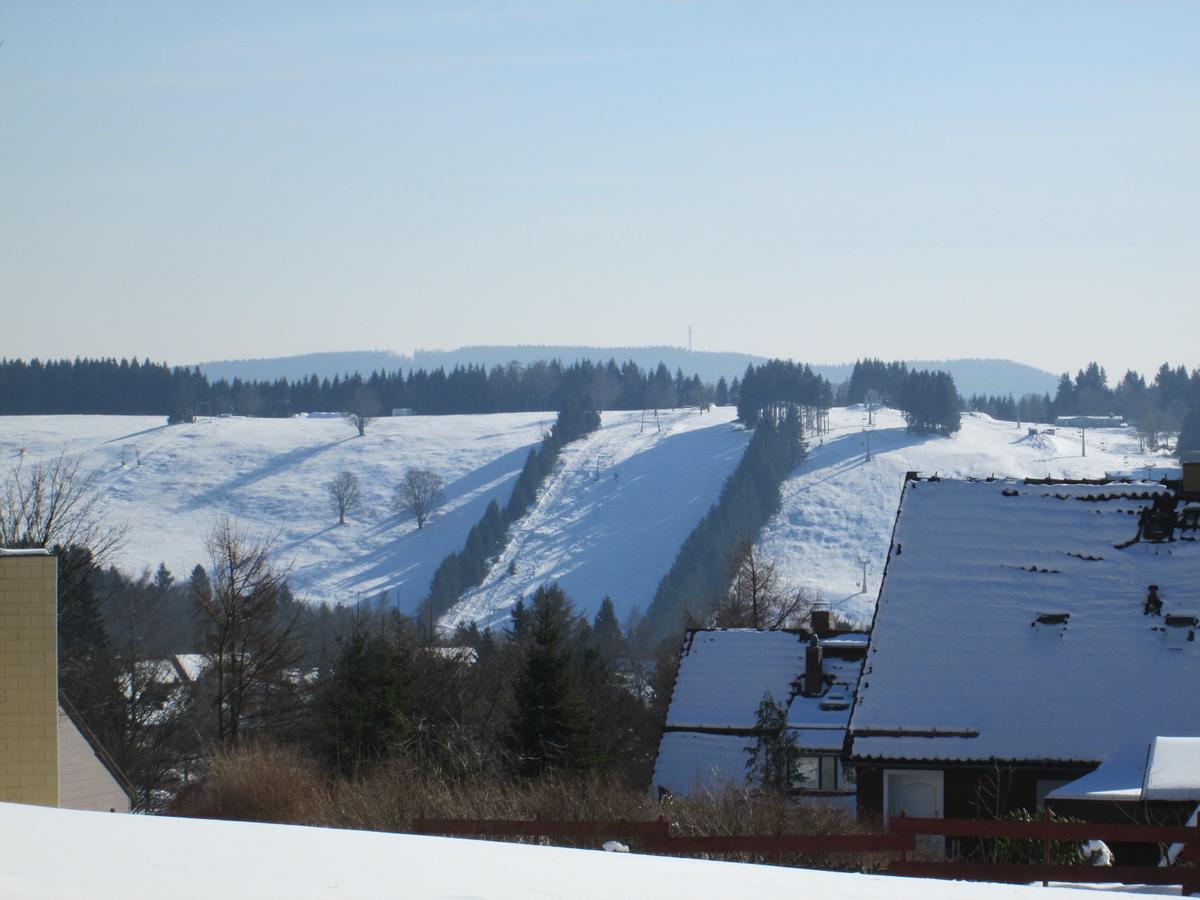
[[970, 791], [28, 678], [84, 781]]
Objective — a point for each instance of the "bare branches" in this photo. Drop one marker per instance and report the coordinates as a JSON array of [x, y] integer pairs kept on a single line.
[[362, 409], [419, 493], [251, 635], [346, 494], [759, 597], [55, 504]]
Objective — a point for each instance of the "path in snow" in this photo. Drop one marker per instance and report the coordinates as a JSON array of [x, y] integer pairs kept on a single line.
[[611, 518], [838, 508]]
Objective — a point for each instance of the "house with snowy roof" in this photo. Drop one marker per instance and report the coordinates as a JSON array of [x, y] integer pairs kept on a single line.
[[724, 674], [1035, 641]]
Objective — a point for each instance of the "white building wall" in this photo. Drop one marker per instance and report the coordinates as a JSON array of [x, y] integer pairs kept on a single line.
[[83, 781]]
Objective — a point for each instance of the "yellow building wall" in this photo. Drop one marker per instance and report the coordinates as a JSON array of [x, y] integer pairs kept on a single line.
[[28, 678]]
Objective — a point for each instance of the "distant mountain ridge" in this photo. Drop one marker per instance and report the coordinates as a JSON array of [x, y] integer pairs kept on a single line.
[[971, 376]]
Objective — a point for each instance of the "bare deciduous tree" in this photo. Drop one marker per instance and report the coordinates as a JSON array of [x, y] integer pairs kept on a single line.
[[759, 597], [362, 409], [251, 637], [345, 493], [55, 504], [419, 493]]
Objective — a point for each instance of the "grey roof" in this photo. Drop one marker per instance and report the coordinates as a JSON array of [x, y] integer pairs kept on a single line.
[[960, 667]]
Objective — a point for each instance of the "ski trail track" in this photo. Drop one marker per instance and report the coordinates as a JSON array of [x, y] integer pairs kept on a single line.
[[611, 517]]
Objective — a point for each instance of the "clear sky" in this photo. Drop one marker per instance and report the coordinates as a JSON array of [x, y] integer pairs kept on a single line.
[[816, 180]]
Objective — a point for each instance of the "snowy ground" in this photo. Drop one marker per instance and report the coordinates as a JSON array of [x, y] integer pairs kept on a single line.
[[611, 519], [51, 853], [614, 535], [839, 508], [271, 475]]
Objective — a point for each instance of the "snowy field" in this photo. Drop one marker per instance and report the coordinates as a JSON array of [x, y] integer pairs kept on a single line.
[[608, 521], [611, 519], [613, 535], [50, 853], [839, 508], [272, 476]]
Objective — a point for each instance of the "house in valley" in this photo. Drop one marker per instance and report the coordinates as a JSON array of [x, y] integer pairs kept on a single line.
[[1034, 642], [724, 674]]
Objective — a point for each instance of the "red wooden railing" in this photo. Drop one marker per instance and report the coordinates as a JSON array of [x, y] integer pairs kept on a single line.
[[656, 837], [1186, 875]]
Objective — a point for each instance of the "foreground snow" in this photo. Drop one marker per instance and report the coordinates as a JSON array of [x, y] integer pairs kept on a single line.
[[50, 853], [839, 508]]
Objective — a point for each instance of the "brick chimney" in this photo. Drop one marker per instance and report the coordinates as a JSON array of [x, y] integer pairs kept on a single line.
[[814, 674], [822, 623]]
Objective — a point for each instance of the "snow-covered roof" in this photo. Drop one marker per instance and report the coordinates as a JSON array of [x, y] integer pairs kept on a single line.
[[689, 761], [723, 676], [820, 721], [1011, 626], [1173, 770], [1118, 778], [192, 665]]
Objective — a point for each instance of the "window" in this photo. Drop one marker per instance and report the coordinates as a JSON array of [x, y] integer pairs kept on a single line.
[[822, 773]]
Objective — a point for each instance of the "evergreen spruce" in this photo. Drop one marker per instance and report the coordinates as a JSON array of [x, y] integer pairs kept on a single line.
[[549, 728]]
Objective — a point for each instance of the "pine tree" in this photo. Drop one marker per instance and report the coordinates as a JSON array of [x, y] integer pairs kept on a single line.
[[549, 727], [1189, 433], [606, 634], [163, 579], [363, 703], [772, 759]]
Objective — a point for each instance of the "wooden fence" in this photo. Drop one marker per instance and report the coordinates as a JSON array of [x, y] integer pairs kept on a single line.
[[1047, 832], [901, 839]]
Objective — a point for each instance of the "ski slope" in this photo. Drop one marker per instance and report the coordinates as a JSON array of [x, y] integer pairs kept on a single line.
[[612, 535], [170, 484], [838, 507], [611, 518]]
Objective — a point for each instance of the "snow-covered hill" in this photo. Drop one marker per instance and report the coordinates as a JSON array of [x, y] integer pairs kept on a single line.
[[611, 518], [170, 484], [616, 534], [838, 507], [608, 521]]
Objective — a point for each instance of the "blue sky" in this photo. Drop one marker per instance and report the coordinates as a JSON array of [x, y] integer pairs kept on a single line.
[[816, 180]]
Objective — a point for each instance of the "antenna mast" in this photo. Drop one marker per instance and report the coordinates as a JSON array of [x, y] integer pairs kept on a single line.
[[689, 339]]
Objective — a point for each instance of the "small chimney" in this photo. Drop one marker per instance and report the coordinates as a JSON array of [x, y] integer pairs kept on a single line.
[[822, 623], [814, 675], [1153, 605]]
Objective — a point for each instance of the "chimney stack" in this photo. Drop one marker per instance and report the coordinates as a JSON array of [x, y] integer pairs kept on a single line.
[[822, 623], [814, 674]]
